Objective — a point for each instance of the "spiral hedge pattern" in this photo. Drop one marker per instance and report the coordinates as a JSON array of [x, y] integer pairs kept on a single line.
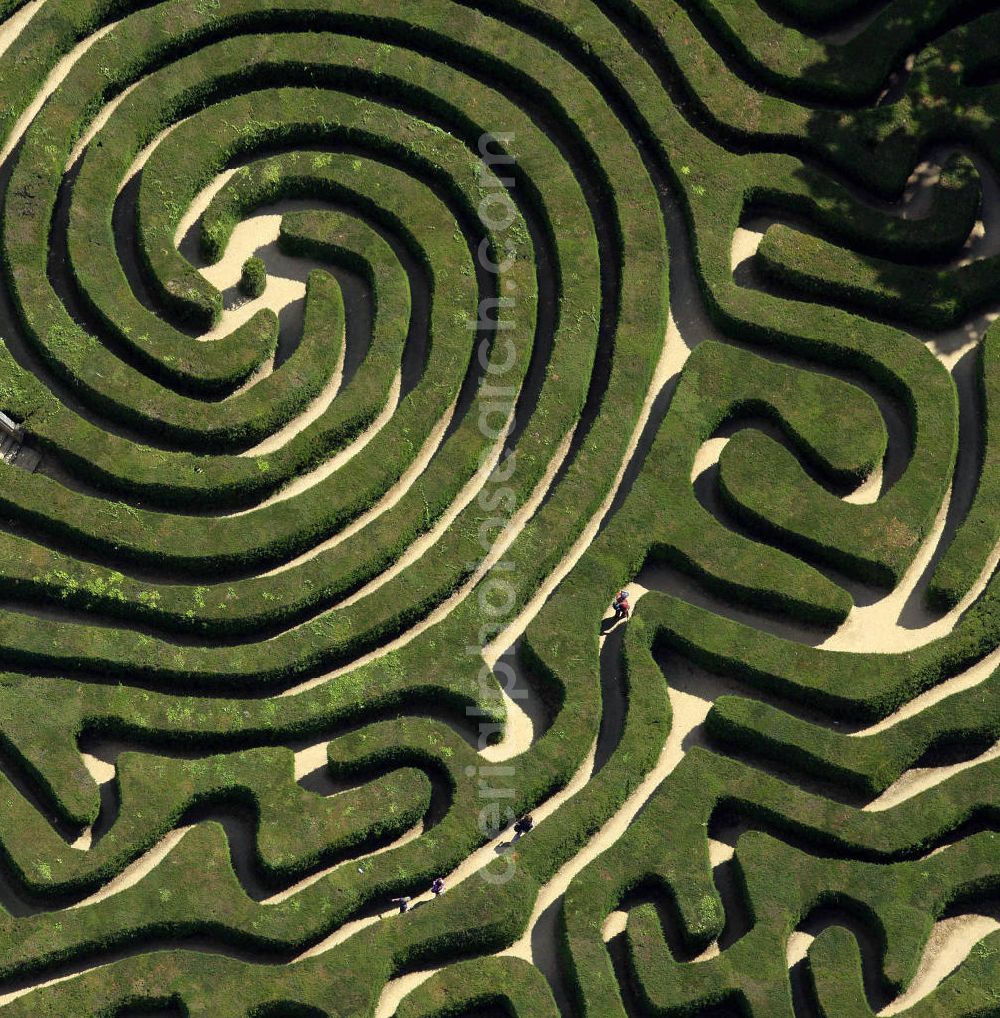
[[355, 355]]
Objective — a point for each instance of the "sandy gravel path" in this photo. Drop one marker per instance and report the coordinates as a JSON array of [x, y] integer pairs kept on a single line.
[[468, 492], [16, 24], [672, 358], [10, 31], [417, 466], [137, 870], [920, 779], [443, 610], [951, 941], [303, 482]]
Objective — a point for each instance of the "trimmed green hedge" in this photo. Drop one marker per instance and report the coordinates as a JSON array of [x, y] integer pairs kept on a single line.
[[766, 488], [836, 213], [664, 852], [253, 277], [511, 983], [363, 480], [868, 763], [721, 384], [846, 73], [155, 793], [966, 556], [784, 885], [576, 498], [927, 297]]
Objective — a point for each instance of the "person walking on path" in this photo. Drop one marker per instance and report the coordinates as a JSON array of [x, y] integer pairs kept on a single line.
[[522, 825], [621, 606], [403, 902], [437, 887]]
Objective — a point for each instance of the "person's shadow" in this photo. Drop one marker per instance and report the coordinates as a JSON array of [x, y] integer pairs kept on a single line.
[[505, 845], [607, 625]]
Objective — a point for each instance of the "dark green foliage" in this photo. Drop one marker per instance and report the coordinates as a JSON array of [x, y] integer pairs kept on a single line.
[[253, 277], [272, 574]]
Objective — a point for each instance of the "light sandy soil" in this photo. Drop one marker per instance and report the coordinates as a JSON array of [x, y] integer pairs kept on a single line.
[[746, 241], [313, 412], [286, 285], [972, 676], [951, 345], [950, 943], [282, 289], [712, 951], [479, 859], [984, 241], [97, 123], [16, 23], [52, 82], [183, 236], [707, 456], [395, 991], [443, 610], [8, 998], [798, 947], [614, 925], [102, 772], [869, 490], [919, 779], [874, 627], [358, 862], [675, 352], [519, 731], [719, 852], [427, 540], [689, 713], [135, 871], [617, 922], [417, 466], [303, 482], [84, 841], [310, 759], [146, 154]]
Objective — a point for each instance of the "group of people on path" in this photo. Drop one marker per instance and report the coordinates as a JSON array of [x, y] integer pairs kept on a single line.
[[522, 825], [403, 901]]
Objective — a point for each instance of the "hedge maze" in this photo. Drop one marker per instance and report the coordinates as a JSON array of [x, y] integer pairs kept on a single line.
[[355, 355]]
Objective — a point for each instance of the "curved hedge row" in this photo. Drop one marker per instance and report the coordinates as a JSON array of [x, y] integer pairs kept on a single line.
[[970, 550], [241, 550], [934, 298]]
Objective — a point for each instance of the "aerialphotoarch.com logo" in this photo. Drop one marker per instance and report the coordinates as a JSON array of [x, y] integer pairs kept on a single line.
[[497, 595]]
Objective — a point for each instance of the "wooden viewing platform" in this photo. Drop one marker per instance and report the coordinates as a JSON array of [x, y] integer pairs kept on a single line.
[[12, 447]]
